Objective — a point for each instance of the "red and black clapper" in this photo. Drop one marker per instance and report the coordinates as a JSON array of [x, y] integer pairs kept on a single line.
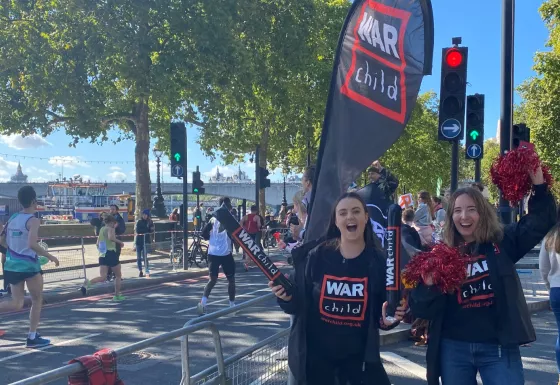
[[393, 252], [252, 249]]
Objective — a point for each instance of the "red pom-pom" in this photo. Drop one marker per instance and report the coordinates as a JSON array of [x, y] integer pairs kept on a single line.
[[510, 173], [445, 264]]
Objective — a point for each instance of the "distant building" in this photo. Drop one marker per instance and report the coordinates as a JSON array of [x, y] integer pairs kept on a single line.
[[294, 179], [239, 177], [19, 176]]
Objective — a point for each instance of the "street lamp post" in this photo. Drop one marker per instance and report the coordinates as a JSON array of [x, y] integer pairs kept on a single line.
[[284, 201], [158, 205]]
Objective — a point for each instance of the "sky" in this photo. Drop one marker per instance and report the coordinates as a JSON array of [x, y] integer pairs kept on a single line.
[[478, 22]]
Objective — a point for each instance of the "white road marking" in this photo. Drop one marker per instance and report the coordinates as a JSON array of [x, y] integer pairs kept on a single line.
[[31, 351], [222, 300], [405, 364]]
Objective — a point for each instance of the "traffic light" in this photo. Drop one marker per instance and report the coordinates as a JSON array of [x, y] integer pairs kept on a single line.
[[178, 139], [197, 184], [521, 133], [475, 127], [264, 182], [452, 93]]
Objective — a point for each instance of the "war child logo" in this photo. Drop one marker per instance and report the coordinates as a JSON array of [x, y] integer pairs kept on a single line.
[[343, 300], [256, 253], [376, 77]]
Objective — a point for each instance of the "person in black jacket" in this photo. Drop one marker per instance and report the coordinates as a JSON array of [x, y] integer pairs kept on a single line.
[[479, 328], [144, 229], [339, 304]]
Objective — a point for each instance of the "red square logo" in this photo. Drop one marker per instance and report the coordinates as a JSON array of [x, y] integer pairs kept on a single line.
[[376, 75]]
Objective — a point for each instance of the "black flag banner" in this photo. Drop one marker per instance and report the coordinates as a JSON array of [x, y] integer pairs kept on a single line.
[[385, 49]]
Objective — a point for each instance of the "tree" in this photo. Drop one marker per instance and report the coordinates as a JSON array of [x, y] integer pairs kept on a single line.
[[418, 159], [89, 66], [541, 93], [491, 152], [280, 99]]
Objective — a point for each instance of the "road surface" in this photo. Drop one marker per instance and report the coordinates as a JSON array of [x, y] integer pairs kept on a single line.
[[84, 326]]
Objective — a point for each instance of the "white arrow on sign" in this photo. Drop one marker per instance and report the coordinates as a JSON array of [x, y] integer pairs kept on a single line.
[[454, 128]]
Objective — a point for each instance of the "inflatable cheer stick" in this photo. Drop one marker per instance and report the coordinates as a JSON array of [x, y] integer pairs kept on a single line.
[[393, 250], [252, 249]]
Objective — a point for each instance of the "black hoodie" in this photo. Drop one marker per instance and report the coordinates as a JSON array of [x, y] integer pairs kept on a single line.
[[512, 321], [307, 262]]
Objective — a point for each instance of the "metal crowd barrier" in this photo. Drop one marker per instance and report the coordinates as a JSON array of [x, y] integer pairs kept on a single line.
[[67, 370], [245, 367], [259, 364]]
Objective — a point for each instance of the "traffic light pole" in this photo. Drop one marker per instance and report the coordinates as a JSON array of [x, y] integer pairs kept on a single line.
[[508, 12], [257, 177], [185, 212], [477, 170], [454, 165], [198, 194]]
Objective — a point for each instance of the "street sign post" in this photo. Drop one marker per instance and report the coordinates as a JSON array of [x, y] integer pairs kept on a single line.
[[177, 171], [451, 128], [474, 151]]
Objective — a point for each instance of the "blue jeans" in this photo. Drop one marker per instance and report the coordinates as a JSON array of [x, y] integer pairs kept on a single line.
[[555, 305], [140, 255], [460, 361]]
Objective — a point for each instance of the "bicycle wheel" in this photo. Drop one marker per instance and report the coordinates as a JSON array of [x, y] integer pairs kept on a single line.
[[201, 256]]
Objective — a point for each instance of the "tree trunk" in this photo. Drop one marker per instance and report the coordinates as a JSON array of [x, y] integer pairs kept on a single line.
[[262, 163], [142, 161]]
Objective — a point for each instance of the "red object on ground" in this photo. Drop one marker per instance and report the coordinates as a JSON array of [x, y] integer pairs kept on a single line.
[[100, 369], [510, 173], [276, 236], [2, 332], [445, 264]]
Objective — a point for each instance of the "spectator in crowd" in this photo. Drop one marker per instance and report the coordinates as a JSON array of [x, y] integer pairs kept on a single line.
[[383, 179], [423, 217], [143, 238]]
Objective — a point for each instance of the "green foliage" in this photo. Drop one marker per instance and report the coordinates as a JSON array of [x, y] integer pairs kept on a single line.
[[279, 98], [541, 93], [418, 158], [491, 152]]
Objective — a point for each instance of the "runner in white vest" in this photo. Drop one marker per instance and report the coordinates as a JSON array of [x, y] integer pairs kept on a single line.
[[23, 265], [219, 254]]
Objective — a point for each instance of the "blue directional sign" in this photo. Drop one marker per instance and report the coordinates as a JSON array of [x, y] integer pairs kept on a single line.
[[451, 128], [474, 151], [177, 171]]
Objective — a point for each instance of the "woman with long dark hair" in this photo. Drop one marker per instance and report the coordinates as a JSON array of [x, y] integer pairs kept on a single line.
[[480, 327], [339, 304]]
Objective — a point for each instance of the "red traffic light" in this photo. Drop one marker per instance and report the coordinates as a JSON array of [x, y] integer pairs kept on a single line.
[[454, 58]]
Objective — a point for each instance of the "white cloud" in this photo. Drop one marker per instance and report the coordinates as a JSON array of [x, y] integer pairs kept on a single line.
[[133, 173], [67, 161], [7, 168], [116, 176], [8, 165], [20, 142], [115, 168], [40, 171]]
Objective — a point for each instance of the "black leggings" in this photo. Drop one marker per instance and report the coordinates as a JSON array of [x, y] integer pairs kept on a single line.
[[228, 266]]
